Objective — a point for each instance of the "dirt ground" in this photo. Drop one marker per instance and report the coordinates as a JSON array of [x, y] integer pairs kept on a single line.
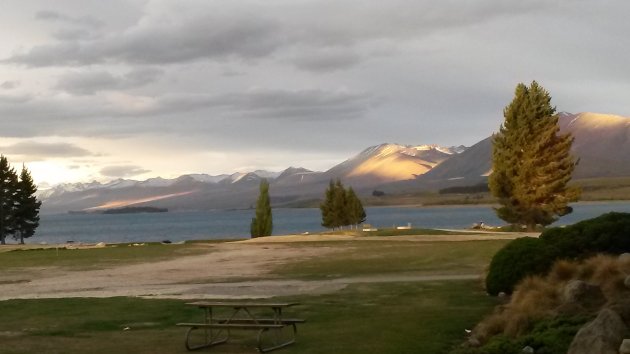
[[233, 270]]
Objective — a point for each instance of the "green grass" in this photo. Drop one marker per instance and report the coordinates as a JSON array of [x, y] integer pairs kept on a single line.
[[358, 258], [394, 317], [364, 318], [78, 259]]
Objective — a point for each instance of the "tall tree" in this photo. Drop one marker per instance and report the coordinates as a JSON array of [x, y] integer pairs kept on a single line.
[[356, 212], [532, 164], [326, 207], [8, 186], [262, 223], [341, 207], [26, 207]]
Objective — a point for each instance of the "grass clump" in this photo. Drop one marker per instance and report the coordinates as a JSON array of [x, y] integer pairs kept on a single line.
[[542, 315]]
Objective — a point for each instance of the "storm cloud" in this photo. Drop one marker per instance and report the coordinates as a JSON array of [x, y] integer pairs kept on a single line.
[[33, 150], [219, 86], [123, 171]]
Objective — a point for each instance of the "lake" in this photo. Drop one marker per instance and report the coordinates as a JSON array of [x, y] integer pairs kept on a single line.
[[233, 224]]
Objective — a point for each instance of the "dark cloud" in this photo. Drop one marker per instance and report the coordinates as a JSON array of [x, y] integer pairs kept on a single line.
[[9, 85], [122, 171], [54, 16], [220, 31], [90, 82], [160, 43], [316, 105], [179, 113], [32, 150], [327, 60]]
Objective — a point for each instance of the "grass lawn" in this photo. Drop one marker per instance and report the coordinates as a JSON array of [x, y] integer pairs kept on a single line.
[[361, 258], [394, 317], [363, 318], [91, 258]]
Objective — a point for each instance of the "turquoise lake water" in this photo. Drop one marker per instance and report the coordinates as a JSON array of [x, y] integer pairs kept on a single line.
[[233, 224]]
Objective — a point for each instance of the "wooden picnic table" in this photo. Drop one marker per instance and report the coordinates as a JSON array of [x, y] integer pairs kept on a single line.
[[246, 316]]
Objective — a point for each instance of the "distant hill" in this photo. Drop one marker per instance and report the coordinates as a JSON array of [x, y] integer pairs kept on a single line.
[[375, 165], [391, 162], [602, 143]]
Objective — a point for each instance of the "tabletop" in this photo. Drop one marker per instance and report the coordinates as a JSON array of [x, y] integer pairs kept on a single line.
[[235, 304]]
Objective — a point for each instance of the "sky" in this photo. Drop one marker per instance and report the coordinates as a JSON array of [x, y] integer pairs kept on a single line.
[[99, 90]]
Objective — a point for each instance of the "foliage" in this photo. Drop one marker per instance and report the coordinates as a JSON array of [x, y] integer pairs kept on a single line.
[[356, 213], [262, 223], [607, 233], [8, 187], [531, 161], [518, 259], [341, 207], [550, 336], [26, 207]]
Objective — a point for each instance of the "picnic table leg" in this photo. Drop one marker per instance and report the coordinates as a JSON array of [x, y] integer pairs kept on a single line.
[[208, 343], [277, 344], [210, 336]]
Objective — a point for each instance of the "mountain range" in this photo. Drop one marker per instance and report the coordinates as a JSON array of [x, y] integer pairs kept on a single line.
[[602, 143]]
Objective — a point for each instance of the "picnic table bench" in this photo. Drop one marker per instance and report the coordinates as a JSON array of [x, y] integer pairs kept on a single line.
[[245, 316]]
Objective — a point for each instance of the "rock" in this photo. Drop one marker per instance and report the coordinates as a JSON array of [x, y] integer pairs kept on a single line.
[[603, 335], [528, 350], [625, 347], [622, 308], [473, 342], [581, 293], [502, 294], [626, 282], [624, 258]]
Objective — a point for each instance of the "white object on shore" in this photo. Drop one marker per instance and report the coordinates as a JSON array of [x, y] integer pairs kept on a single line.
[[408, 227]]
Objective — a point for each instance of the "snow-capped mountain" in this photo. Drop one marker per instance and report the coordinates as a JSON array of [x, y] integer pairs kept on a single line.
[[602, 145], [391, 162], [375, 165]]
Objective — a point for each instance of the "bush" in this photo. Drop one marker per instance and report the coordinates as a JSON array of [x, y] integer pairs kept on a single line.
[[519, 258], [608, 233]]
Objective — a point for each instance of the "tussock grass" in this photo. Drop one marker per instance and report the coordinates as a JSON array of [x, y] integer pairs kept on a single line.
[[538, 298]]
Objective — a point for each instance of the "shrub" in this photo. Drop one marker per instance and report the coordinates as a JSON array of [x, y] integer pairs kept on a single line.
[[519, 258], [608, 233]]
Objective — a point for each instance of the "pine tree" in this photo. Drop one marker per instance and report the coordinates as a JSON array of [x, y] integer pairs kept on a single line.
[[532, 164], [326, 206], [26, 207], [262, 223], [8, 186], [356, 212], [341, 207]]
